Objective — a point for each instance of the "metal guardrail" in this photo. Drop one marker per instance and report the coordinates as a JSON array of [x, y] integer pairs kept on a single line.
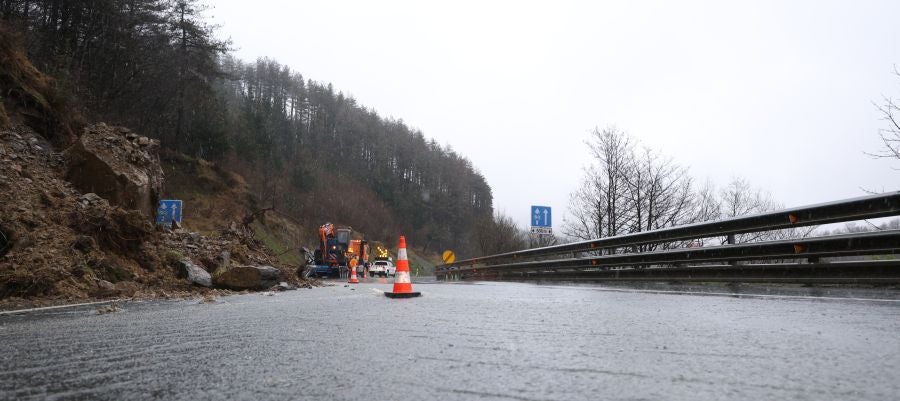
[[854, 272], [809, 249]]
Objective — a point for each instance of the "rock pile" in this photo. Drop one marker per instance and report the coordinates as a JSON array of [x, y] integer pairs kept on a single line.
[[232, 259], [59, 242], [37, 205]]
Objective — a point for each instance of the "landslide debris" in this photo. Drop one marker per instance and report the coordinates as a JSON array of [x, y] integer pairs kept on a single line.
[[61, 242], [37, 206], [79, 201], [233, 257]]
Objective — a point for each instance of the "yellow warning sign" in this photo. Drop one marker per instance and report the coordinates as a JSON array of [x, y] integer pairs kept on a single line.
[[448, 257]]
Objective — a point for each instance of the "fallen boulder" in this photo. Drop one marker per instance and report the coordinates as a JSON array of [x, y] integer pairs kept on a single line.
[[106, 285], [105, 289], [118, 165], [247, 278], [283, 286], [193, 273]]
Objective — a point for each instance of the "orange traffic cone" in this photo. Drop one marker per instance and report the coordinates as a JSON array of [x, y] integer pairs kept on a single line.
[[402, 285]]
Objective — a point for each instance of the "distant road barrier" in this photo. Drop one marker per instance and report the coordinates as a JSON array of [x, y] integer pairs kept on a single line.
[[802, 260]]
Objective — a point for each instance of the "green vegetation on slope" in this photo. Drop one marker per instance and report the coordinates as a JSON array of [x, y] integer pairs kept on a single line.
[[280, 237], [420, 265]]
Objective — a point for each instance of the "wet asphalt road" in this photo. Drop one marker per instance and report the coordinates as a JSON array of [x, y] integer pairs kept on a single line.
[[489, 341]]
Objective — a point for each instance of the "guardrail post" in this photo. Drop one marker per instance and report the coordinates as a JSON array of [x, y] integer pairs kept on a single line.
[[730, 241]]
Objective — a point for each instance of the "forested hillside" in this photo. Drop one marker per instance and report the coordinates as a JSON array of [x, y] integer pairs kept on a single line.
[[307, 149]]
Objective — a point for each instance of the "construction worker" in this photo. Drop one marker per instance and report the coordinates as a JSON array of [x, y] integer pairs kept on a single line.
[[353, 264]]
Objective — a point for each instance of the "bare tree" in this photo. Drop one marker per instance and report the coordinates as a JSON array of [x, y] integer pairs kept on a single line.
[[628, 191], [740, 198], [499, 234], [585, 207], [890, 135], [659, 194], [540, 241], [707, 204], [613, 150], [598, 206]]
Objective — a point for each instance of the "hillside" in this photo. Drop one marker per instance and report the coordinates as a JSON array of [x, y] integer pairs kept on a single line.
[[62, 243], [215, 196], [303, 147], [82, 199], [259, 154]]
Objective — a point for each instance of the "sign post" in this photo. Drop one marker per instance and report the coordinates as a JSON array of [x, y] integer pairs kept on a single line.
[[541, 220], [169, 211]]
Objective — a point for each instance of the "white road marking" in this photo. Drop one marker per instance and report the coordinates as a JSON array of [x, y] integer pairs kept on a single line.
[[13, 312]]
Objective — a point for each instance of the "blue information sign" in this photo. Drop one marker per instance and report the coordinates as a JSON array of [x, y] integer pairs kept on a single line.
[[169, 211], [541, 216]]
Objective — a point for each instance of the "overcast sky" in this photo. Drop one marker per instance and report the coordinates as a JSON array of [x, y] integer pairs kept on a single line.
[[777, 92]]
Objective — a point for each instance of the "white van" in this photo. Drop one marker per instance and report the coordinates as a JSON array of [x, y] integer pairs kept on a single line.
[[383, 268]]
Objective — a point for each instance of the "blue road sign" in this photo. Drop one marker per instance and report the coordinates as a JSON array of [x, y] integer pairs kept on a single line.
[[541, 216], [169, 211]]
